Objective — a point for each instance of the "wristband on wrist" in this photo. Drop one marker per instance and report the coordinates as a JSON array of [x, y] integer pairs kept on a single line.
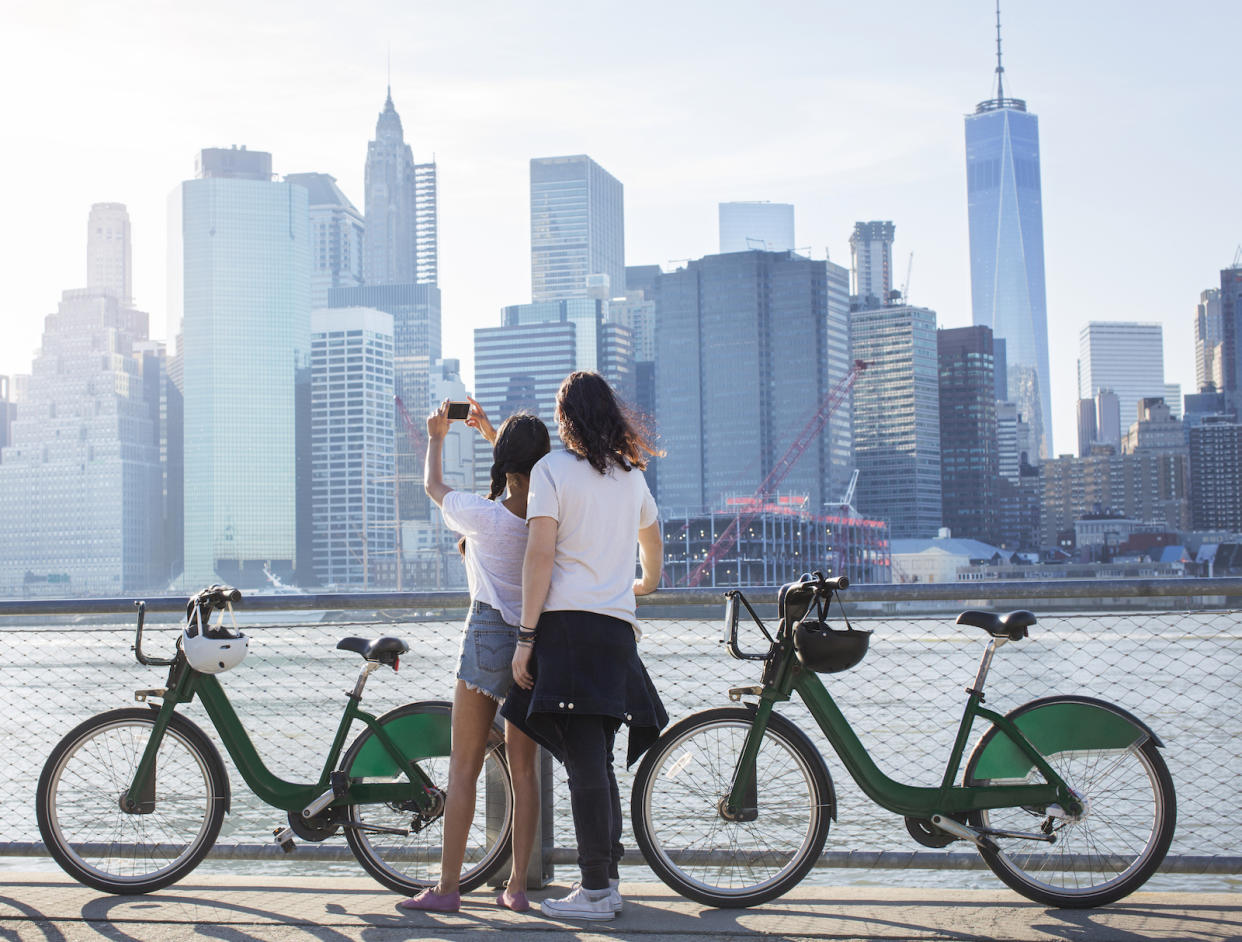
[[525, 643], [526, 634]]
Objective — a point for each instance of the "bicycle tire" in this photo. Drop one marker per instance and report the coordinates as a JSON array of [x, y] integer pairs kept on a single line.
[[1106, 853], [706, 858], [411, 863], [78, 802]]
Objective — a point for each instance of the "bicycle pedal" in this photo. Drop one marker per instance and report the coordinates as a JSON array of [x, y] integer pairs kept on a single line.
[[736, 693], [284, 837]]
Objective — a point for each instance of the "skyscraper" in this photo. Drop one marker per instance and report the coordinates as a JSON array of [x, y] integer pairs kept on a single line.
[[577, 228], [415, 311], [337, 230], [897, 418], [1209, 335], [390, 247], [1216, 474], [80, 481], [744, 359], [239, 298], [8, 411], [1231, 333], [871, 258], [1007, 247], [352, 461], [756, 225], [109, 254], [1123, 356], [969, 460]]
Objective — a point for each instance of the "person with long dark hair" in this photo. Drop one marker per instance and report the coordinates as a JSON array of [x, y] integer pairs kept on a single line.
[[576, 670], [494, 535]]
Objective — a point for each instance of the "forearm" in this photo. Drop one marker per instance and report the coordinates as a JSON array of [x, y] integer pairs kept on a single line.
[[650, 558], [433, 470], [537, 567], [536, 580]]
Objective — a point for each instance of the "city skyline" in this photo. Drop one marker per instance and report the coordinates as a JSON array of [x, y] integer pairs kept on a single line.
[[483, 113]]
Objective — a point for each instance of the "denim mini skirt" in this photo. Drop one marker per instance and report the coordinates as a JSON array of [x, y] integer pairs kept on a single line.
[[485, 662]]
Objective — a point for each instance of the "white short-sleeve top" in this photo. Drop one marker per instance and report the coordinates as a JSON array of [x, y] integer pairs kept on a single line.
[[598, 518], [495, 547]]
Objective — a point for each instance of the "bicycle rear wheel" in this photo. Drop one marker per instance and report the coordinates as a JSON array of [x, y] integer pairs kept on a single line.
[[676, 801], [78, 802], [1101, 855], [408, 863]]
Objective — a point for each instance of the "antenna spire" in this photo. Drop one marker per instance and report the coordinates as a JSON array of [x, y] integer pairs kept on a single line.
[[390, 55], [1000, 69]]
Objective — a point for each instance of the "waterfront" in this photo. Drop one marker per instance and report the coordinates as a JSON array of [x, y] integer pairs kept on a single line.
[[1177, 671]]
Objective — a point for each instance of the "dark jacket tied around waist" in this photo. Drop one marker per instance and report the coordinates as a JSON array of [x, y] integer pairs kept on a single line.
[[585, 664]]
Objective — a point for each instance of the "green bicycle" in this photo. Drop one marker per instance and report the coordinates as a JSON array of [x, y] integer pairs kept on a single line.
[[1066, 798], [132, 800]]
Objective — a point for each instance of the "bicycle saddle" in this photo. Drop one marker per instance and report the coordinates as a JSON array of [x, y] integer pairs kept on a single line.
[[1012, 625], [381, 649]]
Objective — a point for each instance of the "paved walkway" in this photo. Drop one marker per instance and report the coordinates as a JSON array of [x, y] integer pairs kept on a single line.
[[50, 907]]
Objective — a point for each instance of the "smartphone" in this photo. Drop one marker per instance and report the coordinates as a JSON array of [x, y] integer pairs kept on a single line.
[[458, 410]]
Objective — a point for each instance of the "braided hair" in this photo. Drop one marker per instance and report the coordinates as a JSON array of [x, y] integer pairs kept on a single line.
[[521, 441]]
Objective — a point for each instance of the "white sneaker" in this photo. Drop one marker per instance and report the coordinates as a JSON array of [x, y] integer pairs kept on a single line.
[[614, 895], [581, 904]]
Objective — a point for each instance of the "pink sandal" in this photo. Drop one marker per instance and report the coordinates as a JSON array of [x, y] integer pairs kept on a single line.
[[515, 901], [431, 901]]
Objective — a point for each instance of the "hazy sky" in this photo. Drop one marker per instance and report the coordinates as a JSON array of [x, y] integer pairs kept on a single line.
[[850, 111]]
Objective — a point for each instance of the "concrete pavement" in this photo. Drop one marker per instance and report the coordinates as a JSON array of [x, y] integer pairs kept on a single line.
[[235, 909]]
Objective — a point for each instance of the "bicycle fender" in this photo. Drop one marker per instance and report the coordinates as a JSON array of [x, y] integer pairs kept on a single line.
[[421, 735], [1057, 724]]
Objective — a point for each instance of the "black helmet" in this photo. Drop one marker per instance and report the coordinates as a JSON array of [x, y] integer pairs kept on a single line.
[[828, 650]]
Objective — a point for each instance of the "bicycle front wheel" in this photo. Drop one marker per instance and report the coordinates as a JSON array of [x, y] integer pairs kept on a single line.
[[676, 809], [79, 802], [1101, 855], [400, 845]]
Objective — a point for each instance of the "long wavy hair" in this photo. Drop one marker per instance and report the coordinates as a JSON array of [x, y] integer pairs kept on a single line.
[[521, 441], [595, 425]]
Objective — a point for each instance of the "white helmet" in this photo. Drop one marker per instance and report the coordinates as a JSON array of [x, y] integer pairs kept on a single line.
[[210, 648]]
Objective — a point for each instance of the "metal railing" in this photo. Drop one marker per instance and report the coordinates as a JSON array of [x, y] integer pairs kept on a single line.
[[1167, 650]]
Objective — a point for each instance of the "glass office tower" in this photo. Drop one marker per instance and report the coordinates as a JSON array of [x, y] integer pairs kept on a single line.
[[239, 298], [576, 228], [1007, 248]]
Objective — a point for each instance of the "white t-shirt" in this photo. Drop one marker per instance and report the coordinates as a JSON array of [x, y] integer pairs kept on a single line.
[[598, 518], [495, 547]]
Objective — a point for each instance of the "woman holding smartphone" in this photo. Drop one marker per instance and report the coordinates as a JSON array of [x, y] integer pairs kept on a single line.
[[494, 544], [576, 668]]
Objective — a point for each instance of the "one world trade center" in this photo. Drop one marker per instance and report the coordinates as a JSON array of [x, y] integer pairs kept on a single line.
[[1007, 247]]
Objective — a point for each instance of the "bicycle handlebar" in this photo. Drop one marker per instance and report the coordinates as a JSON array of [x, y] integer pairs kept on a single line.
[[142, 658], [816, 580]]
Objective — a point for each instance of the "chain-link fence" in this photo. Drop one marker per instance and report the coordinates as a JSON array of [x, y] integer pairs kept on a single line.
[[1176, 670]]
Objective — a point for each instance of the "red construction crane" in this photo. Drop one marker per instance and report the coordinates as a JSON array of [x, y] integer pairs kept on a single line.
[[726, 540], [412, 432]]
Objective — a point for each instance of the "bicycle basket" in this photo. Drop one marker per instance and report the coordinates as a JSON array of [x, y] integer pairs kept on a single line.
[[828, 650]]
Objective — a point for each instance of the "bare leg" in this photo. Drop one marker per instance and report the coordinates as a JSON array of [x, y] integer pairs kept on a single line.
[[473, 713], [521, 750]]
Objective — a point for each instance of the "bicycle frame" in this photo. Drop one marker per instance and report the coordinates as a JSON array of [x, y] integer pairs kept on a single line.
[[784, 674], [270, 788]]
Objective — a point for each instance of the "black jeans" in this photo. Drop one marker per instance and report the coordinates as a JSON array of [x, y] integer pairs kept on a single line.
[[593, 797]]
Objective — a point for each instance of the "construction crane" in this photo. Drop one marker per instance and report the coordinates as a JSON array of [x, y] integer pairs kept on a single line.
[[729, 537], [847, 502], [905, 288]]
